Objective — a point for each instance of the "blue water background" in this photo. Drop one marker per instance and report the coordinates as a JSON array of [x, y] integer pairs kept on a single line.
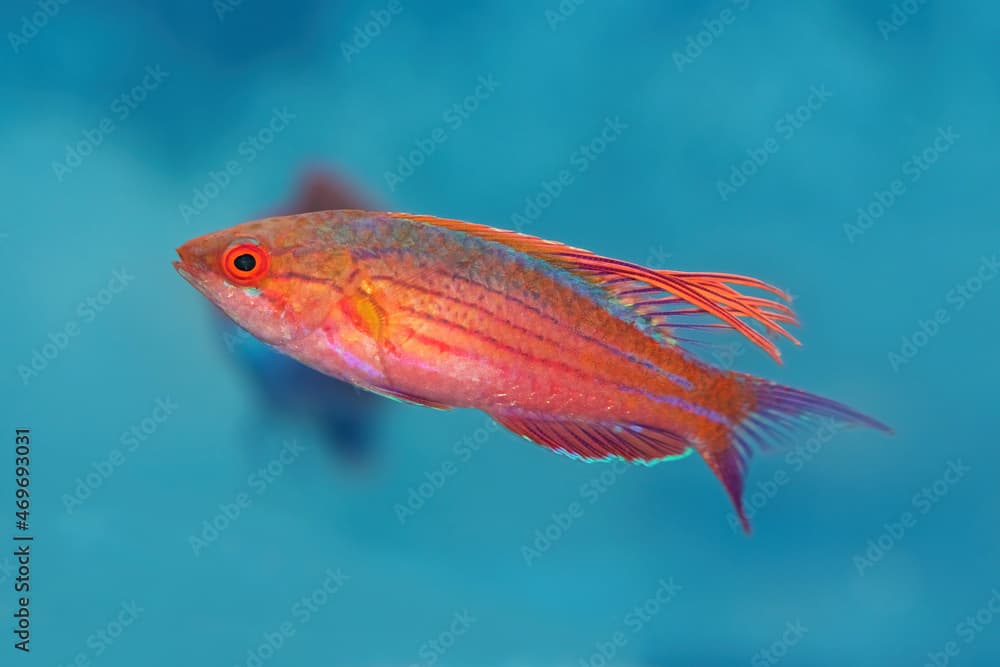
[[849, 548]]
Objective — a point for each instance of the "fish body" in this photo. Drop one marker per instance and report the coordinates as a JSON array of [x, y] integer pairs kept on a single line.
[[574, 351], [466, 322]]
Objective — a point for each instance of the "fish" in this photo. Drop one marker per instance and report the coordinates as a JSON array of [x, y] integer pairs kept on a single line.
[[345, 416], [589, 356]]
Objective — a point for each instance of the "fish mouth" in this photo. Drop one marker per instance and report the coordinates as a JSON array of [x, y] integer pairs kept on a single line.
[[192, 270], [185, 272]]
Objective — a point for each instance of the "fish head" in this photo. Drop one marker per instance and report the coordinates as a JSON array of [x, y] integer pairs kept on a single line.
[[274, 277]]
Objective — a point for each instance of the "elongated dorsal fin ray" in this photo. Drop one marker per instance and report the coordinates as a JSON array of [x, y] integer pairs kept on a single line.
[[641, 288]]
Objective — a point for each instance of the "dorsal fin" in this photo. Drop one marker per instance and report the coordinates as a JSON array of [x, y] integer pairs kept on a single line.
[[667, 300]]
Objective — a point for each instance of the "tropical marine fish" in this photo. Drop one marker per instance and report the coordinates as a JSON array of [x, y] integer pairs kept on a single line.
[[584, 354]]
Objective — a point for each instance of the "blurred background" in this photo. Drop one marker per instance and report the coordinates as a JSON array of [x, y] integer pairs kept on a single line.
[[197, 499]]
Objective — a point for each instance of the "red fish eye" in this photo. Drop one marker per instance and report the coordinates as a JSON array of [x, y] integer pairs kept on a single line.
[[245, 263]]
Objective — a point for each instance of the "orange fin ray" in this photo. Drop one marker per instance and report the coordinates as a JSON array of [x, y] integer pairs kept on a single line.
[[706, 294]]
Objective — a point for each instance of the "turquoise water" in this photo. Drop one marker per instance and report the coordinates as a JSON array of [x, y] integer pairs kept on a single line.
[[843, 151]]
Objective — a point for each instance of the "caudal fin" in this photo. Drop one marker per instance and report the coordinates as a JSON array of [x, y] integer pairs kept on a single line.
[[780, 416]]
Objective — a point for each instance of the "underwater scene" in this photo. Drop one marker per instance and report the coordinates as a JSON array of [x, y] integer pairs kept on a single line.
[[554, 333]]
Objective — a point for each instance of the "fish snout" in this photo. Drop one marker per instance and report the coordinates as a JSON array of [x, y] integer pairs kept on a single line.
[[195, 265], [190, 256]]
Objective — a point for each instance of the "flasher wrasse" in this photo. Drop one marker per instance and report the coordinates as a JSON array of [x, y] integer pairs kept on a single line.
[[577, 352]]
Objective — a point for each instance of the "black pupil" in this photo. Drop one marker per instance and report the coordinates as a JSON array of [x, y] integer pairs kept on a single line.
[[245, 262]]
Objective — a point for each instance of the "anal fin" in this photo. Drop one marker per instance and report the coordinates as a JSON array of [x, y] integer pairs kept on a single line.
[[597, 440]]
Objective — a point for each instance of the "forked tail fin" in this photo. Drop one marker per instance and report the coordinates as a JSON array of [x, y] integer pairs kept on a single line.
[[779, 416]]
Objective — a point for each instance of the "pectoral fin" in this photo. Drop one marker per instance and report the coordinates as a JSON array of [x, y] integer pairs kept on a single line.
[[362, 308], [365, 312]]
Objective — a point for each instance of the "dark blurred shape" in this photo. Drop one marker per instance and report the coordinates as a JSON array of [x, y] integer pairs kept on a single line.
[[344, 414], [322, 189]]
